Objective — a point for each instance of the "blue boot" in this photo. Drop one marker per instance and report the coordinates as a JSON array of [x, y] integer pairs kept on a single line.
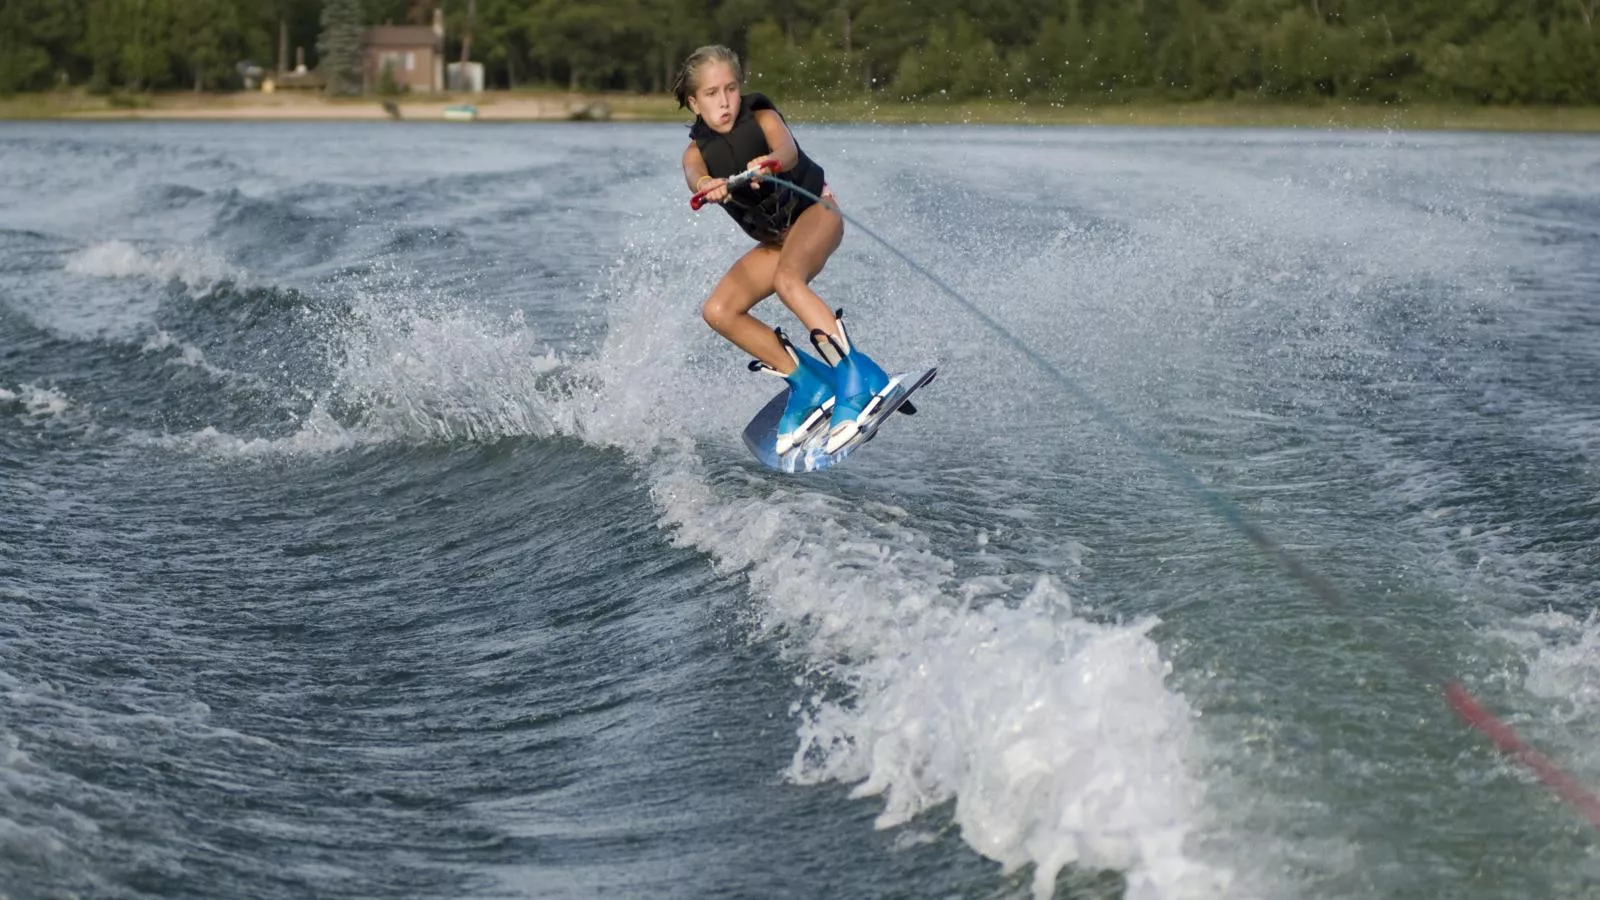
[[860, 385], [811, 396]]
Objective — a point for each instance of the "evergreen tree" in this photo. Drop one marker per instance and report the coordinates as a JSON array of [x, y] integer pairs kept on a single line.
[[23, 63], [208, 38], [1052, 51], [339, 46]]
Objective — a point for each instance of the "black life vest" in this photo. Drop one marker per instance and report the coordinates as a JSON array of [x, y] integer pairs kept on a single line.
[[764, 212]]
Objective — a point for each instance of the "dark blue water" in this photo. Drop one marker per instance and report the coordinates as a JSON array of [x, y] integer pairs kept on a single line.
[[374, 521]]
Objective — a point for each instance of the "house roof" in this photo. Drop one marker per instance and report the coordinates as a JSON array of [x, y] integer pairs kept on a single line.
[[401, 36]]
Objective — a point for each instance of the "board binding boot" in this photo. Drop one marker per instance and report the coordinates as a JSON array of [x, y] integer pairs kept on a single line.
[[811, 395], [861, 387]]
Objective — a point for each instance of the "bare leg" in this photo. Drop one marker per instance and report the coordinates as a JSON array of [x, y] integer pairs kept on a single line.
[[727, 310], [806, 248]]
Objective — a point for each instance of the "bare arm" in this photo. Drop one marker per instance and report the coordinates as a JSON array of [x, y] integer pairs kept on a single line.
[[694, 172], [779, 139], [694, 167]]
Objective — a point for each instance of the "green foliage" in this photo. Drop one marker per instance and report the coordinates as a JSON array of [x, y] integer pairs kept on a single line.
[[774, 63], [1301, 56], [210, 39], [957, 62], [121, 100], [23, 66], [339, 46], [387, 85], [36, 38], [1059, 51]]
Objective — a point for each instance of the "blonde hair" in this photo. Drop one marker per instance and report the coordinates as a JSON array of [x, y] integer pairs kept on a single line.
[[685, 84]]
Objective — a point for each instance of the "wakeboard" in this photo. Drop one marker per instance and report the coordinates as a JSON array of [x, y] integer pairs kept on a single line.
[[761, 435]]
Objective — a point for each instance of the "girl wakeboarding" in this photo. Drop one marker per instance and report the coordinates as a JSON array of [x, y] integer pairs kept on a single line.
[[734, 139]]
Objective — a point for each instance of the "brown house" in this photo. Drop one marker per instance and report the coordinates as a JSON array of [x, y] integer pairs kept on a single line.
[[413, 54]]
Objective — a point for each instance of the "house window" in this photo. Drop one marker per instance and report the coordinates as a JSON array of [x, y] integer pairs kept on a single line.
[[411, 61]]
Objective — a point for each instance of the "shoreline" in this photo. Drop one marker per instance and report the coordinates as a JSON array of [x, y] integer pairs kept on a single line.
[[556, 106]]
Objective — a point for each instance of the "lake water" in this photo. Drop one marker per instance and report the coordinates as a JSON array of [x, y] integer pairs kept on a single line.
[[374, 520]]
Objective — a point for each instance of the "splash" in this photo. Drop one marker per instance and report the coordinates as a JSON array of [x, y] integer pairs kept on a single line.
[[416, 373], [31, 401], [1562, 669], [120, 259], [393, 369], [188, 354], [1056, 738], [318, 434], [1568, 668]]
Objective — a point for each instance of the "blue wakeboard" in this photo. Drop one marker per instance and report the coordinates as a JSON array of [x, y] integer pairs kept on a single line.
[[761, 435]]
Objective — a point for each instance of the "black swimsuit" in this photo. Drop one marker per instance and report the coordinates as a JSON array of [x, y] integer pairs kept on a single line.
[[765, 212]]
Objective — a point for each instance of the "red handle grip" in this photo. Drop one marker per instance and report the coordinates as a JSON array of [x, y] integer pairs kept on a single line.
[[699, 199]]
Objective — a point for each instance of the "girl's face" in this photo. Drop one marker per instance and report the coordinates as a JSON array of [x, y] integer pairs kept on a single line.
[[716, 96]]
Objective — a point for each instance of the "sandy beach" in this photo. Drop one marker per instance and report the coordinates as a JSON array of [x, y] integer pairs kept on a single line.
[[504, 107], [553, 106]]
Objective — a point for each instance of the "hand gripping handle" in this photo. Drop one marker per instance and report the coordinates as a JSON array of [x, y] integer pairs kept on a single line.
[[767, 165]]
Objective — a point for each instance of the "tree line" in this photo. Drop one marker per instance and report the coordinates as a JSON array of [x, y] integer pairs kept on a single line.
[[1483, 51]]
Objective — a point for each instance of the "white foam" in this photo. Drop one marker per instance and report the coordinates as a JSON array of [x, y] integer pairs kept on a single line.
[[1556, 661], [1567, 668], [37, 402], [161, 340], [188, 354], [1562, 654], [318, 435], [446, 375], [1577, 431], [120, 259], [403, 371], [1057, 738], [1467, 548]]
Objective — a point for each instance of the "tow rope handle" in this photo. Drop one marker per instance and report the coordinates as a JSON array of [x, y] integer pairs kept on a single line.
[[767, 165]]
